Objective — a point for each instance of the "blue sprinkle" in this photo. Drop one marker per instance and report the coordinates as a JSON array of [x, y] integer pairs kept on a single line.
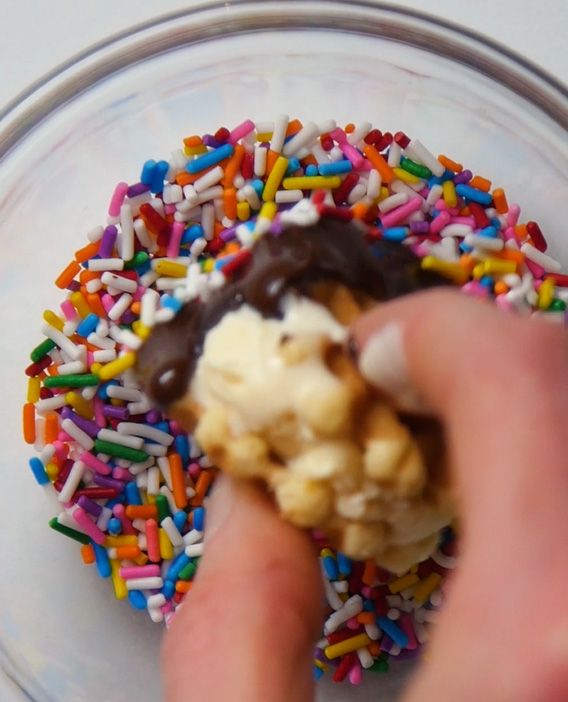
[[137, 599], [39, 471], [114, 526], [474, 194], [132, 493], [180, 518], [344, 564], [396, 233], [192, 233], [199, 518], [487, 281], [330, 567], [465, 248], [335, 168], [88, 325], [102, 560], [182, 447], [496, 222], [168, 589], [318, 672], [102, 391], [158, 177], [311, 170], [293, 166], [178, 564], [392, 629], [438, 180], [147, 172], [170, 302], [258, 185], [211, 158], [222, 262], [490, 232], [368, 605]]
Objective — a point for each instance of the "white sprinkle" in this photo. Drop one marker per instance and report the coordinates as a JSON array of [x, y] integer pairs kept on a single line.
[[172, 531], [104, 518], [144, 237], [65, 344], [155, 449], [397, 186], [365, 658], [549, 264], [144, 584], [158, 600], [444, 561], [357, 194], [418, 152], [484, 242], [75, 432], [194, 550], [145, 430], [96, 234], [210, 194], [71, 367], [303, 138], [327, 126], [456, 230], [116, 438], [279, 133], [104, 355], [172, 194], [164, 466], [208, 221], [153, 484], [374, 184], [120, 307], [105, 264], [395, 153], [119, 392], [392, 202], [119, 282], [353, 606], [359, 133], [127, 232], [192, 537], [373, 631], [72, 482], [50, 403], [209, 179], [94, 285]]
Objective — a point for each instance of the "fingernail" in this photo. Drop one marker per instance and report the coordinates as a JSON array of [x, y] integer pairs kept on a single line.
[[383, 363], [219, 506]]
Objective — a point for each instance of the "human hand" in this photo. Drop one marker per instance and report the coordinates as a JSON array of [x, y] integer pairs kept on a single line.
[[499, 383]]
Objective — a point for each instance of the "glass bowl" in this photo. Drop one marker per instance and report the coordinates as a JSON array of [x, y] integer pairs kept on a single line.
[[67, 140]]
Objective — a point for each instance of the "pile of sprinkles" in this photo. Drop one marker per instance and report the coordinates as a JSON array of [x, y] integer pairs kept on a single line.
[[132, 484]]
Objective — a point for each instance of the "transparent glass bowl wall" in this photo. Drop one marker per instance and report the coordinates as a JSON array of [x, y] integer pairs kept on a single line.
[[62, 634]]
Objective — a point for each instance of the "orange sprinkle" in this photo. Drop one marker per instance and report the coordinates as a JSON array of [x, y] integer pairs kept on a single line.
[[293, 127], [232, 248], [128, 552], [271, 158], [183, 586], [142, 512], [369, 572], [230, 202], [480, 183], [67, 275], [233, 166], [28, 422], [178, 480], [465, 211], [449, 164], [192, 141], [500, 200], [86, 275], [142, 559], [88, 554], [51, 427], [386, 172], [183, 178], [87, 252], [52, 370], [359, 210], [217, 228], [467, 261], [95, 304], [309, 160], [374, 649], [521, 231], [501, 288], [510, 255], [135, 307], [366, 618], [349, 128], [201, 486]]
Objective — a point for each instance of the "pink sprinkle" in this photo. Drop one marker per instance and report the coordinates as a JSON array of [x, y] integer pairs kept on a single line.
[[534, 268], [119, 512], [170, 209], [240, 131], [60, 450], [398, 215], [353, 624], [122, 474], [100, 418], [475, 289], [470, 221], [108, 302], [355, 673], [338, 135], [175, 239], [513, 215], [95, 463], [64, 437], [194, 471], [405, 624], [117, 199], [350, 152], [444, 207], [509, 235], [503, 303], [439, 222], [89, 527], [367, 591], [68, 310], [167, 608], [146, 571]]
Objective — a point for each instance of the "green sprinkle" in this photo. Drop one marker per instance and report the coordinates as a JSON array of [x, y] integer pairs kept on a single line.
[[140, 258], [71, 381], [557, 306], [119, 451], [416, 169], [163, 507], [42, 350], [380, 666], [188, 571], [67, 531]]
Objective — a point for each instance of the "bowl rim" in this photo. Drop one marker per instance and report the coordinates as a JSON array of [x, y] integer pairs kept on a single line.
[[210, 19]]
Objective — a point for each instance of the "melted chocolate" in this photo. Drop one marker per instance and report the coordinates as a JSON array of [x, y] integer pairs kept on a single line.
[[294, 260]]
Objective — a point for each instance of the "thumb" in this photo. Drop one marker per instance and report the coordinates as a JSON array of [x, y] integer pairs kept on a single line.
[[499, 383], [247, 627]]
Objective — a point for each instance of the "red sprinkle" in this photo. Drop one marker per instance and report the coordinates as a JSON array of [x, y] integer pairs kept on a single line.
[[535, 233]]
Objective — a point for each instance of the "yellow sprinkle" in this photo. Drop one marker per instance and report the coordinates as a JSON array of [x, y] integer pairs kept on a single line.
[[80, 304], [140, 330], [53, 320], [151, 499], [274, 179], [166, 548], [83, 407], [343, 647], [478, 271], [243, 210], [118, 583], [268, 210], [403, 582], [123, 540], [383, 194], [209, 264], [194, 150], [34, 385], [141, 560], [497, 266], [118, 366], [52, 471], [265, 136], [116, 402], [453, 271], [320, 665], [406, 177], [449, 193], [171, 269], [546, 294], [95, 367], [426, 587], [311, 182], [326, 552]]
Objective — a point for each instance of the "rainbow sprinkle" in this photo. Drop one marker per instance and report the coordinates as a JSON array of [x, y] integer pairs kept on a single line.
[[132, 484]]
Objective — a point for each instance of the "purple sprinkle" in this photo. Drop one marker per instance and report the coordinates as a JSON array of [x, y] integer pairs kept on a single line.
[[121, 413], [463, 177], [209, 140], [137, 189], [128, 317], [229, 234], [90, 506], [74, 286], [408, 654], [91, 428], [108, 241], [108, 482], [386, 643], [153, 417], [419, 227]]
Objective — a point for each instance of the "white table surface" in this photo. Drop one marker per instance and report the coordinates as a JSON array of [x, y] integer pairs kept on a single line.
[[36, 35]]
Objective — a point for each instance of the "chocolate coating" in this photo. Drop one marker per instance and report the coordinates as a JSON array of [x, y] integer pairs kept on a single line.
[[294, 260]]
